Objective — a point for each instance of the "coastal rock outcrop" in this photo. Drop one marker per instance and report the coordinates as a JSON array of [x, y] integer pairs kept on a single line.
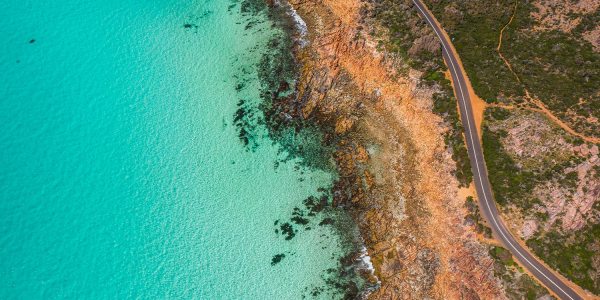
[[395, 170]]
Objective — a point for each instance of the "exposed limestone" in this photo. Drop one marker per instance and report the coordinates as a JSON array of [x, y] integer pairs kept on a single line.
[[529, 228], [559, 15], [572, 207], [535, 144], [593, 36]]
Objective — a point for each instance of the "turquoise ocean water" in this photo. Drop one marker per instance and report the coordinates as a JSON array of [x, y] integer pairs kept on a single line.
[[121, 172]]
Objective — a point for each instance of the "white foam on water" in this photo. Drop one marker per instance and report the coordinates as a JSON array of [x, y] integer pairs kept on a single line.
[[298, 21]]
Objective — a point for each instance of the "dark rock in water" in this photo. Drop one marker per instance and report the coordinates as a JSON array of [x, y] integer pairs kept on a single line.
[[273, 44], [187, 25], [252, 7], [32, 41], [284, 86], [300, 220], [288, 231], [277, 258], [244, 120], [349, 259], [316, 291], [326, 221], [352, 290], [276, 222]]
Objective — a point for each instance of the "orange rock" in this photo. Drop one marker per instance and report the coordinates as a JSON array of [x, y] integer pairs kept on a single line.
[[343, 124]]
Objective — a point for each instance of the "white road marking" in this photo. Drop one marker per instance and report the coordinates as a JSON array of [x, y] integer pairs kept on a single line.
[[467, 115]]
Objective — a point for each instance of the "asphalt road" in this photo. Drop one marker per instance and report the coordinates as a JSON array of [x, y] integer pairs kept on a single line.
[[480, 176]]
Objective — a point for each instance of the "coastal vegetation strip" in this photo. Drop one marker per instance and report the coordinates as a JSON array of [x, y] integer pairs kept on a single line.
[[536, 103]]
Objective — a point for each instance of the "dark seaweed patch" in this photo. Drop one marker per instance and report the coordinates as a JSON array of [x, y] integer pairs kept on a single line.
[[302, 217], [191, 26], [252, 7], [277, 258], [315, 205], [299, 220], [195, 20], [288, 230], [244, 119]]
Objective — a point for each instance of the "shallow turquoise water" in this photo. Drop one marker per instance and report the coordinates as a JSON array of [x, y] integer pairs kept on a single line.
[[121, 174]]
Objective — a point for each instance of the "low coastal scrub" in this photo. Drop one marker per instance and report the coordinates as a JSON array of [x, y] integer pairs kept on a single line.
[[508, 181], [557, 66], [474, 218], [574, 255], [444, 104], [536, 176], [517, 284]]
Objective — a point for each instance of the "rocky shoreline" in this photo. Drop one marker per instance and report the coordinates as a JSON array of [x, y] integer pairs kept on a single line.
[[359, 111], [395, 175], [310, 136]]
